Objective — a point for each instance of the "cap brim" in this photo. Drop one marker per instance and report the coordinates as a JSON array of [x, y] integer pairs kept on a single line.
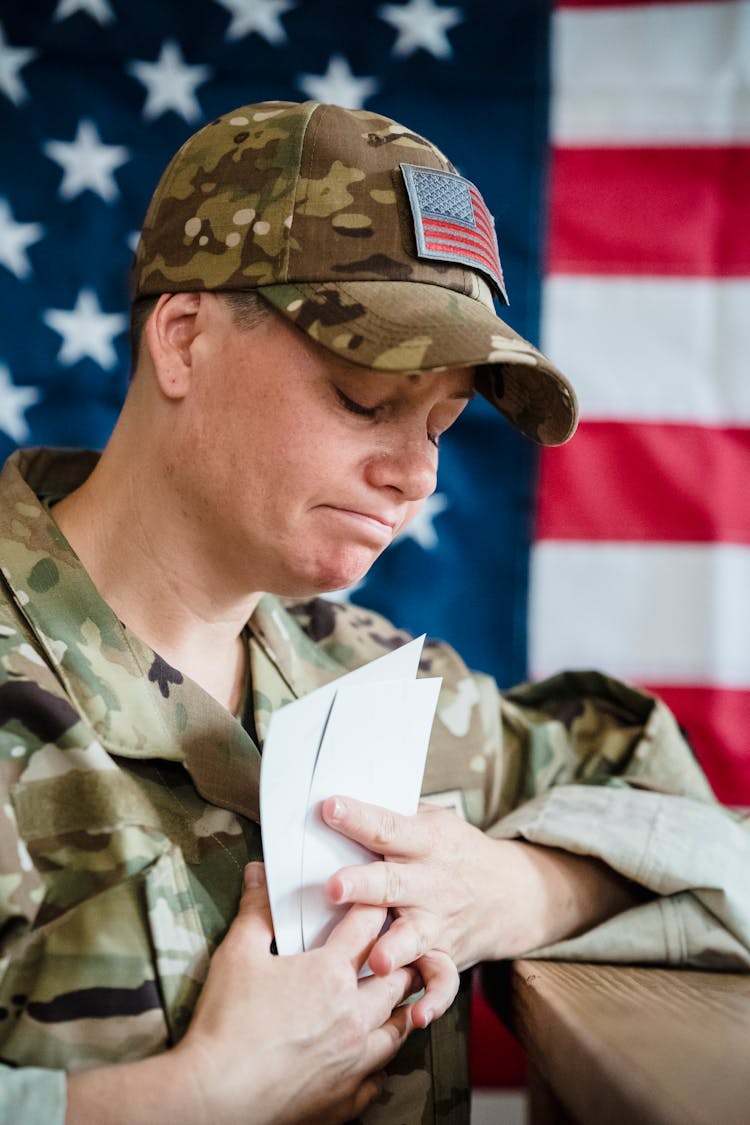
[[415, 326]]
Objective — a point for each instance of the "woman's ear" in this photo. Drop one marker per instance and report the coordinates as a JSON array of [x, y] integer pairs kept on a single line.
[[170, 332]]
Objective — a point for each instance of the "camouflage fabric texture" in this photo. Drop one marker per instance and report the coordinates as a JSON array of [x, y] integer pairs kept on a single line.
[[130, 805], [307, 203]]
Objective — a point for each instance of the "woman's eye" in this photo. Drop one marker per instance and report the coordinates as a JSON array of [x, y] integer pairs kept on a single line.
[[356, 407]]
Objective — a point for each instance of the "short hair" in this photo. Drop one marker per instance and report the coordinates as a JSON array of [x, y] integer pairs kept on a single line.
[[247, 307]]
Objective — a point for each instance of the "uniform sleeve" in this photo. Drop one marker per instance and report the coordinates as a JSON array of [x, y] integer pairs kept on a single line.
[[593, 766], [597, 768], [33, 1095]]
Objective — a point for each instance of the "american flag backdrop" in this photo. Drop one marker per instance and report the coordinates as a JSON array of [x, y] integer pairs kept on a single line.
[[642, 556], [612, 144]]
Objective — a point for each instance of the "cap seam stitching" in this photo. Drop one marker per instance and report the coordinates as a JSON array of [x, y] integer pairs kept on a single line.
[[302, 155]]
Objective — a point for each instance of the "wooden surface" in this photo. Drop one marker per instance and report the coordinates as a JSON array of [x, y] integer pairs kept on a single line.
[[630, 1046]]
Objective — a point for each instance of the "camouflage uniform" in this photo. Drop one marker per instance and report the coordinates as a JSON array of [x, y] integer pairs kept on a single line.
[[131, 804]]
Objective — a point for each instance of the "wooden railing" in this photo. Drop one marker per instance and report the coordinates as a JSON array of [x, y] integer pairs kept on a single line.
[[614, 1045]]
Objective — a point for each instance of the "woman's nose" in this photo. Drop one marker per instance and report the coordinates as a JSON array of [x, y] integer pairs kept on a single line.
[[410, 468]]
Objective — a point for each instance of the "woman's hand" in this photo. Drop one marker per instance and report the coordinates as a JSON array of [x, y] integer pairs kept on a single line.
[[300, 1036], [457, 890], [435, 871], [274, 1040]]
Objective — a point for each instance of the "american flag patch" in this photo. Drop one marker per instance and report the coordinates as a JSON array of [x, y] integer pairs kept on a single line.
[[451, 221]]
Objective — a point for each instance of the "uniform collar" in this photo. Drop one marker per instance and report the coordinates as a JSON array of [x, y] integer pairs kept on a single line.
[[136, 704]]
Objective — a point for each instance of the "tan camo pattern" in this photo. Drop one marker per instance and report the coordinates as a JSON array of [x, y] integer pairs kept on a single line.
[[307, 202], [130, 798]]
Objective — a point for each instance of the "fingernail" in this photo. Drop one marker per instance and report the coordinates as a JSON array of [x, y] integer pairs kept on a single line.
[[343, 891], [255, 875], [428, 1016], [338, 809], [339, 890]]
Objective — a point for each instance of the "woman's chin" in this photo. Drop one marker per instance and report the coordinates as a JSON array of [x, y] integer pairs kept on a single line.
[[343, 575]]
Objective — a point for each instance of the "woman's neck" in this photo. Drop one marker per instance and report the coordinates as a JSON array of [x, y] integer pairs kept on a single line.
[[144, 570]]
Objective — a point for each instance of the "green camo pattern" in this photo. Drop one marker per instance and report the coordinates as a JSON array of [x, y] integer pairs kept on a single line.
[[276, 193], [130, 798], [307, 203]]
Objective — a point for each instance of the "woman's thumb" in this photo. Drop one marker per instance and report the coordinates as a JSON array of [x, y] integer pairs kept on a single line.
[[254, 911]]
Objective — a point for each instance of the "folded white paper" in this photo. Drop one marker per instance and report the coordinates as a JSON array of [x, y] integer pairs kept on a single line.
[[364, 735], [374, 748]]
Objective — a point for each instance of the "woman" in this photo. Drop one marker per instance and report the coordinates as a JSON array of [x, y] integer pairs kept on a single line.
[[281, 427]]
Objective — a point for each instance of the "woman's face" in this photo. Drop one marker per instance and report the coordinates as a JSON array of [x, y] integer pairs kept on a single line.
[[305, 466]]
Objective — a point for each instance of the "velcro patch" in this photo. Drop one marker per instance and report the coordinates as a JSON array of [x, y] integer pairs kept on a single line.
[[452, 223]]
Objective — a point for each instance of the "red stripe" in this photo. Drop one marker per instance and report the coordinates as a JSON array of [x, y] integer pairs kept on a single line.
[[442, 235], [647, 481], [443, 225], [438, 231], [435, 232], [669, 211], [496, 1056], [714, 719], [440, 226], [451, 249], [483, 217], [480, 210], [484, 227], [491, 233]]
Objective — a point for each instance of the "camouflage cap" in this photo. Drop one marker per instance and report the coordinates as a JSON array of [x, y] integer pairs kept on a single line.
[[359, 231]]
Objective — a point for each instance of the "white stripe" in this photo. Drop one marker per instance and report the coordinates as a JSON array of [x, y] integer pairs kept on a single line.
[[665, 613], [652, 349], [652, 74]]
